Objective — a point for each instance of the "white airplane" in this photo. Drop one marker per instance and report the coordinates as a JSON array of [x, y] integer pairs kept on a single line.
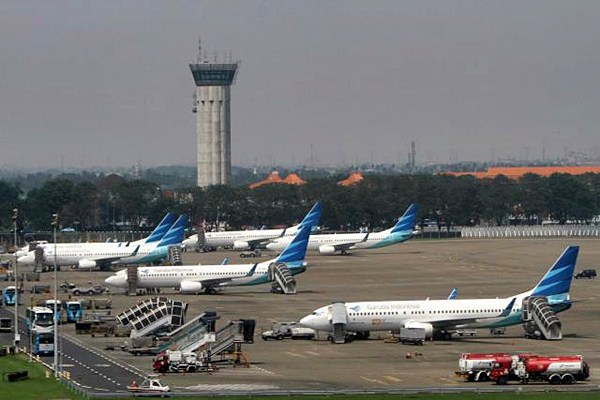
[[103, 255], [439, 317], [249, 239], [156, 235], [342, 243], [208, 278]]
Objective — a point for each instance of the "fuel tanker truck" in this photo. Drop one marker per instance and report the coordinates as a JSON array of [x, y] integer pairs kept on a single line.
[[532, 368], [476, 367]]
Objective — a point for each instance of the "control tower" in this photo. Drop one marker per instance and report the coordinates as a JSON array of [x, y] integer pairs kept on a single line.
[[212, 105]]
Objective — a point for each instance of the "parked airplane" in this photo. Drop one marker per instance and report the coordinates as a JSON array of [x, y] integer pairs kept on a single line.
[[208, 278], [250, 239], [439, 317], [102, 255], [156, 235], [334, 243]]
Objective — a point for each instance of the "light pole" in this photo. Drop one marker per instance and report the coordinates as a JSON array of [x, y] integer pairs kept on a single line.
[[55, 226], [15, 216]]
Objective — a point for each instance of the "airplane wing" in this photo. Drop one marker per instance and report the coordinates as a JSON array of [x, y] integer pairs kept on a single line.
[[349, 245], [103, 260], [224, 280], [460, 323]]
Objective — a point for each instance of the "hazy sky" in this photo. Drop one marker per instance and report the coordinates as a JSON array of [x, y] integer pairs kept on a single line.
[[107, 82]]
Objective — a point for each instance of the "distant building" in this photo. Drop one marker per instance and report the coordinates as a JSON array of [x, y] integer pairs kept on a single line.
[[291, 179], [518, 172], [354, 179]]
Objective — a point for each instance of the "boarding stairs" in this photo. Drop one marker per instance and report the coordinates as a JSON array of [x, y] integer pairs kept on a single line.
[[283, 280], [168, 314], [230, 338], [132, 280], [539, 320], [140, 308], [192, 335], [339, 320], [175, 255]]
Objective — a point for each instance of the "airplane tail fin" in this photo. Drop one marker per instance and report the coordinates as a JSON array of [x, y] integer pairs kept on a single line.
[[407, 221], [175, 234], [557, 280], [161, 229], [313, 217], [296, 250]]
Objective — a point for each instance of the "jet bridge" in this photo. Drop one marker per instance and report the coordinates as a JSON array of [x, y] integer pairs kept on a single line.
[[283, 280], [539, 320]]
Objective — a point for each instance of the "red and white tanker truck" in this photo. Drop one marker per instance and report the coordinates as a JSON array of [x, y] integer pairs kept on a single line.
[[476, 367], [533, 368]]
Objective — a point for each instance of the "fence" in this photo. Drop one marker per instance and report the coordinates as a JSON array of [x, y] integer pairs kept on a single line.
[[524, 232]]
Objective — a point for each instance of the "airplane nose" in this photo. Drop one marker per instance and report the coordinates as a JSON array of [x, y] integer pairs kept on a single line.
[[306, 321], [112, 280], [26, 259]]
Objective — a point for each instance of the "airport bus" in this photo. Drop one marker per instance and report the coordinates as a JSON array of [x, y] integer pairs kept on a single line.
[[74, 311], [9, 295], [42, 343], [50, 304], [39, 319]]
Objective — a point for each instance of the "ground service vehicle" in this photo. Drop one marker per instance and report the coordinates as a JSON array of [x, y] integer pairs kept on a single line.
[[89, 290], [74, 311], [9, 295], [554, 370], [42, 343], [586, 273], [476, 367], [49, 303], [289, 330], [39, 319], [177, 361], [250, 253], [6, 324], [412, 336], [150, 385]]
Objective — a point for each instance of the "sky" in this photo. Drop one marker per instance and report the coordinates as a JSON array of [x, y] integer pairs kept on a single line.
[[107, 83]]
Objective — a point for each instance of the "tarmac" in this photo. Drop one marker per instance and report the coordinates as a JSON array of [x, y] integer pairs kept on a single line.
[[418, 269]]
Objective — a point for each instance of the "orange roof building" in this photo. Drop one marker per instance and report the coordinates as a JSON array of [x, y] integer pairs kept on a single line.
[[353, 179], [518, 172], [291, 179], [294, 179]]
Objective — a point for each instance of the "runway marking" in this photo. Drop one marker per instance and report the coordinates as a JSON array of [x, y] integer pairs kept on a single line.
[[102, 365], [295, 354], [374, 381], [314, 353], [67, 365], [392, 378], [232, 386]]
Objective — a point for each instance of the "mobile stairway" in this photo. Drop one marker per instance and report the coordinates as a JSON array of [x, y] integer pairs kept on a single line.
[[339, 320], [229, 339], [152, 315], [539, 320], [191, 335], [282, 278], [175, 255]]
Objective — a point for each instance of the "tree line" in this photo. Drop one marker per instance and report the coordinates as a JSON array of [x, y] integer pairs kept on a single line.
[[375, 203]]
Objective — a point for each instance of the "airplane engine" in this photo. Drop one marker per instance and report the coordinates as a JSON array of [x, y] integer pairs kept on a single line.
[[86, 264], [326, 249], [420, 325], [240, 245], [190, 287]]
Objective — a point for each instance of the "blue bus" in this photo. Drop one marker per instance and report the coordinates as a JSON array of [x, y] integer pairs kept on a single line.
[[9, 295], [42, 343], [39, 319], [74, 311], [50, 304]]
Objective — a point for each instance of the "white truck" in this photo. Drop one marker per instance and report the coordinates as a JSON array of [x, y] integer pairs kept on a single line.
[[288, 330], [178, 361]]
